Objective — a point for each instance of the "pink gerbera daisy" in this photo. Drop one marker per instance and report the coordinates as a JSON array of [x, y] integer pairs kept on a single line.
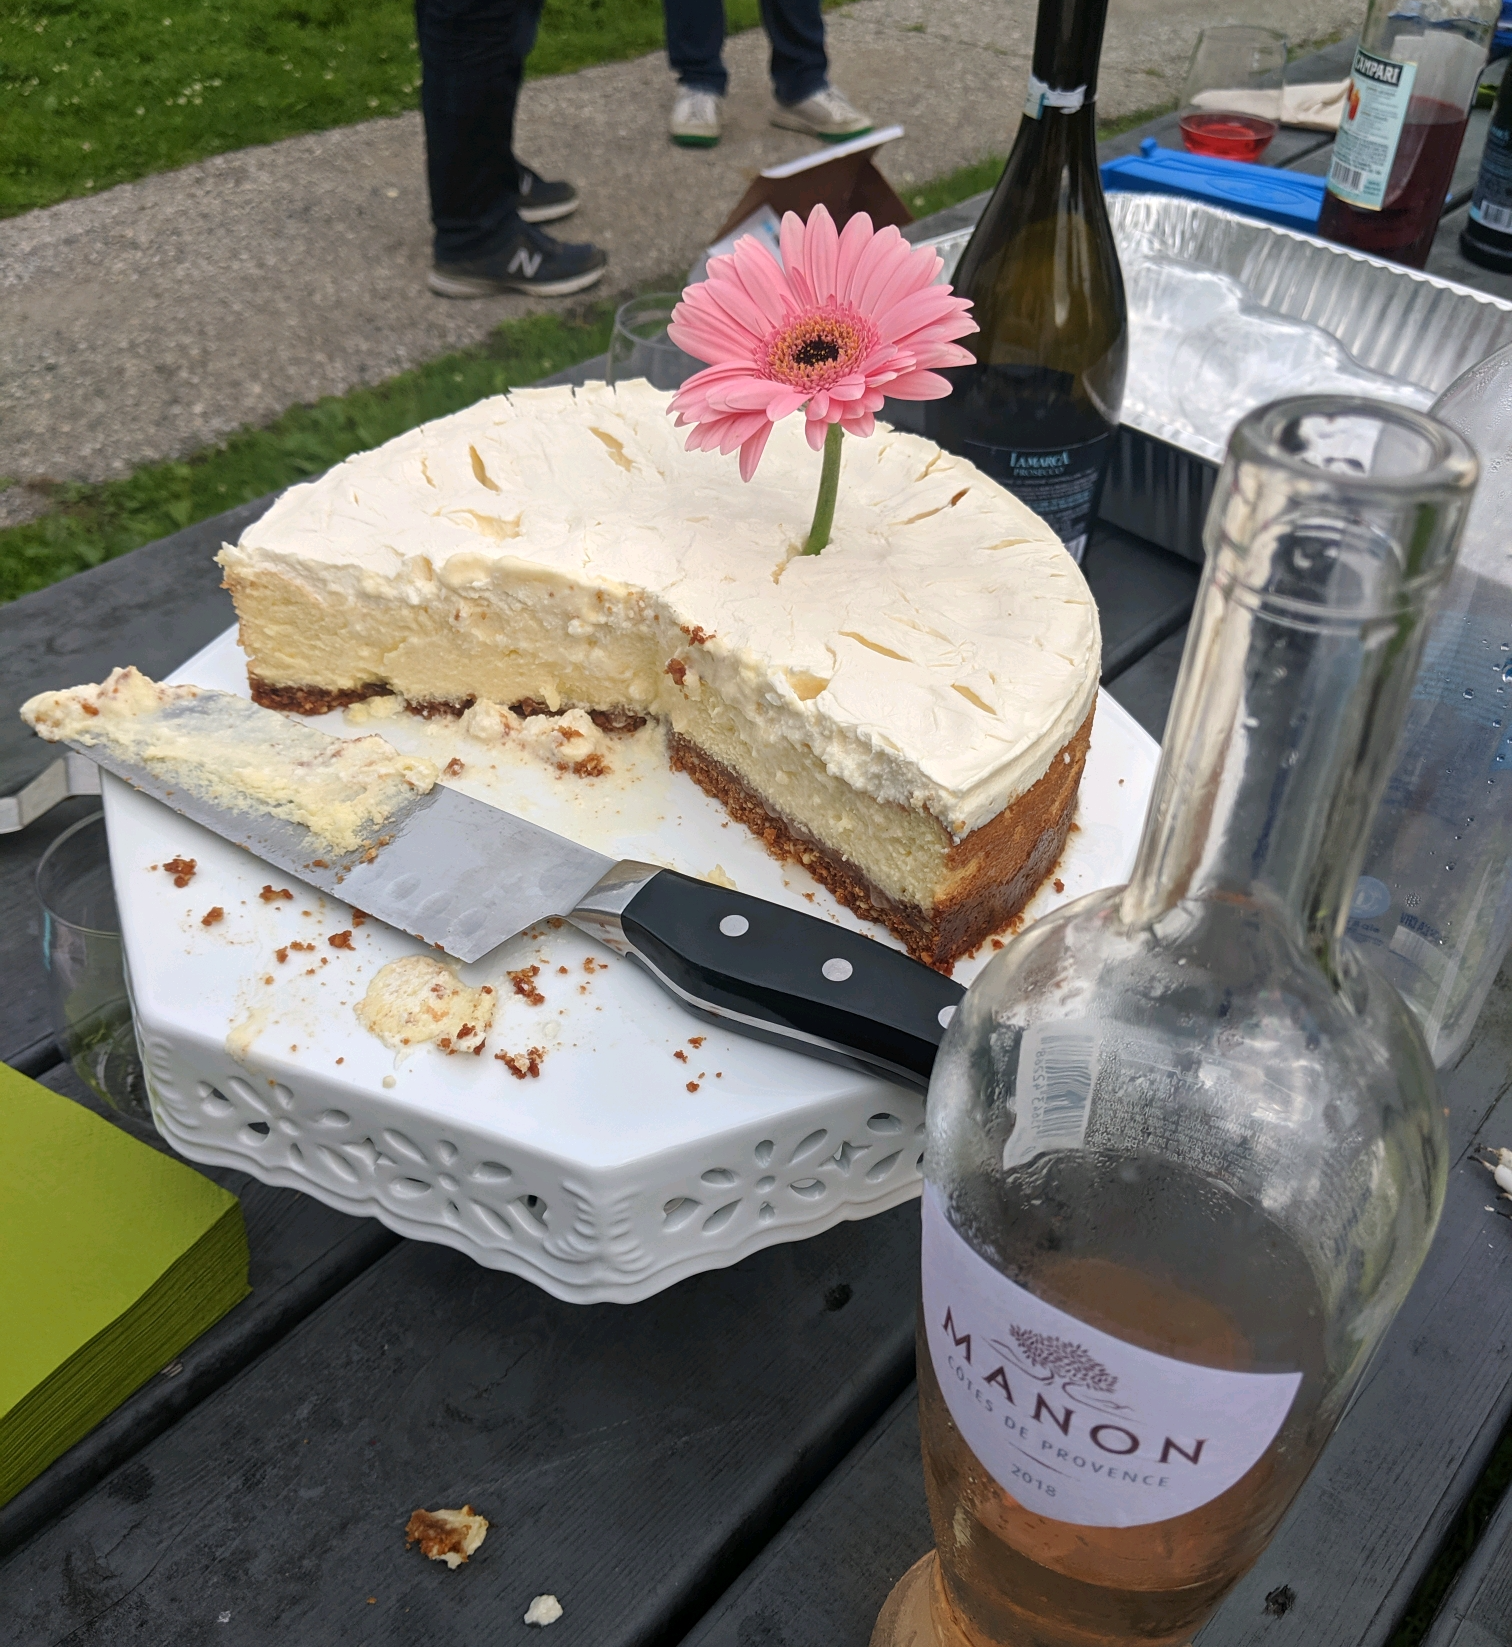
[[844, 320]]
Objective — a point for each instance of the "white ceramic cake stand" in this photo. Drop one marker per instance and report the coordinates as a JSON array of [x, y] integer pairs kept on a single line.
[[623, 1166]]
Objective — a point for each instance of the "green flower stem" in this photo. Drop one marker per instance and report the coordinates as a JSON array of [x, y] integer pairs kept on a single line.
[[829, 486]]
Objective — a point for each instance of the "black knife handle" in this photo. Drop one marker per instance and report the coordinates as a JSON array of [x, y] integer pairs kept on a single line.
[[782, 977]]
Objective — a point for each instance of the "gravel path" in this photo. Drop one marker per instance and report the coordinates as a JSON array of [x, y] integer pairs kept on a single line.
[[153, 319]]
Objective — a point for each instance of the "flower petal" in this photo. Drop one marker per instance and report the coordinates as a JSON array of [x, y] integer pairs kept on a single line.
[[821, 245], [816, 429], [919, 386], [855, 237], [751, 450]]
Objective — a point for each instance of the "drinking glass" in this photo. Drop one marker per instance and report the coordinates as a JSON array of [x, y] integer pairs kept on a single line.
[[1231, 98], [86, 971], [640, 346]]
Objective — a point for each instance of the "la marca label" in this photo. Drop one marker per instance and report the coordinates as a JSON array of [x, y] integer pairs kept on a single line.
[[1071, 1422]]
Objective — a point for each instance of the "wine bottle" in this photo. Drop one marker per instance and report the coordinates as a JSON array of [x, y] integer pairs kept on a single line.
[[1487, 235], [1409, 97], [1039, 410], [1184, 1152]]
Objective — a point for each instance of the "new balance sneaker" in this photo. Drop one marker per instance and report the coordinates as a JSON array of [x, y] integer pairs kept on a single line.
[[828, 114], [541, 202], [532, 262], [697, 118]]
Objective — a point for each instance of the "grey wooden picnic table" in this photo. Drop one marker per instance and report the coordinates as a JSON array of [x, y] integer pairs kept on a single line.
[[734, 1461]]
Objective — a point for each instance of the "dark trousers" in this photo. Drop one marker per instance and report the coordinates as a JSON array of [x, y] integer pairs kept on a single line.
[[695, 41], [472, 55]]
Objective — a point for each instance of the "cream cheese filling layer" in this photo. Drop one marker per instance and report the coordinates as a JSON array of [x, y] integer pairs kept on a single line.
[[562, 545]]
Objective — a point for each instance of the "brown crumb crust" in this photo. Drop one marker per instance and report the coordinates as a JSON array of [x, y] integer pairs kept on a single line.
[[321, 700], [993, 872], [312, 700]]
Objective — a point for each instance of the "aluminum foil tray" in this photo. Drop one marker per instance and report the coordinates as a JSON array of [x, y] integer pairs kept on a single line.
[[1416, 327]]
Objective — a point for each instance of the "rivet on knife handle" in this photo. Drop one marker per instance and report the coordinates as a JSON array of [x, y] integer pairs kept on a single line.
[[772, 973]]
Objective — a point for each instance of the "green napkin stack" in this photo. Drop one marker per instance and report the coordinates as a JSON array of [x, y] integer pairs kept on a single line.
[[113, 1258]]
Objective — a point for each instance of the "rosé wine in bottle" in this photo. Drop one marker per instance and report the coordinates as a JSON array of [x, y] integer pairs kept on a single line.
[[1185, 1152]]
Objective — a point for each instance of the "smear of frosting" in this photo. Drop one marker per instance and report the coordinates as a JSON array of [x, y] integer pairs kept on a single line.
[[234, 754], [418, 999]]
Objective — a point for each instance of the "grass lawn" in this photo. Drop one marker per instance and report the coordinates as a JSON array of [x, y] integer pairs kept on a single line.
[[96, 92], [95, 523]]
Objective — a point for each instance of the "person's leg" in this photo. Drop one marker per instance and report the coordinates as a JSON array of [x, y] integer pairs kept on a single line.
[[472, 55], [695, 43], [796, 31]]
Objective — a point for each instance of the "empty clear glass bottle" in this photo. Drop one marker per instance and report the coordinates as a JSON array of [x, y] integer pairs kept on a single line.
[[1185, 1153]]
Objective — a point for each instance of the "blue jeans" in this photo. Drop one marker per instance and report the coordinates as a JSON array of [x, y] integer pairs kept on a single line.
[[472, 54], [695, 41]]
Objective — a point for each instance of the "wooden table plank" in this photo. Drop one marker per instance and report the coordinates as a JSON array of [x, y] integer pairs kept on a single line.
[[631, 1458], [1478, 1611], [1365, 1526], [302, 1253]]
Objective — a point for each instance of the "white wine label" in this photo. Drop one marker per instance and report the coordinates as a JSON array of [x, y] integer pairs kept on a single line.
[[1375, 111], [1057, 1065], [1076, 1424]]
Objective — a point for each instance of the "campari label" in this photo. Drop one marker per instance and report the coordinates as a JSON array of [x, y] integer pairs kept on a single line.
[[1071, 1422], [1375, 111]]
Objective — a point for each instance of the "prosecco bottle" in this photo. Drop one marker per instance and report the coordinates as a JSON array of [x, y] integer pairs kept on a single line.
[[1184, 1152], [1039, 409]]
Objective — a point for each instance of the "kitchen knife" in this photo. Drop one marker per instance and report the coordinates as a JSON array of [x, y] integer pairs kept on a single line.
[[464, 876]]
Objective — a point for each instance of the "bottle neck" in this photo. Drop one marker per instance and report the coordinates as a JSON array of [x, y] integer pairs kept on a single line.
[[1068, 37], [1302, 653]]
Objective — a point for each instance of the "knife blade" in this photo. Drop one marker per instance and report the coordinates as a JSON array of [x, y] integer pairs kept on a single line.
[[463, 875]]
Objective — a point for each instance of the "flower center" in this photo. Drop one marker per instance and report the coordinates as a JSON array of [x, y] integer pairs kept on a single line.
[[817, 348]]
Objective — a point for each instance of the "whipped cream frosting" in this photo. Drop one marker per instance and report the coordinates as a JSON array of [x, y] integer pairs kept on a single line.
[[231, 753], [937, 654]]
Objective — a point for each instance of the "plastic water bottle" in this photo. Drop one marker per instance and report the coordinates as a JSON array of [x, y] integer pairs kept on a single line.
[[1434, 905]]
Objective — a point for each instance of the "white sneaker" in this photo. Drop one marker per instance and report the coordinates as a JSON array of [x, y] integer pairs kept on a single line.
[[828, 114], [697, 118]]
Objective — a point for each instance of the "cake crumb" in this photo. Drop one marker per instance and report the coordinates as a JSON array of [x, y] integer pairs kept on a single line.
[[454, 768], [523, 979], [281, 955], [1058, 884], [562, 970], [211, 916], [268, 978], [446, 1535], [692, 1086], [677, 669], [340, 940], [997, 943], [181, 869], [697, 1040], [389, 1081], [592, 965], [681, 1054], [359, 917], [543, 1610], [521, 1064], [697, 635], [270, 894]]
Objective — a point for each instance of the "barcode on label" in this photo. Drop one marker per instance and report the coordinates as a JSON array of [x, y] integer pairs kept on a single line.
[[1347, 177], [1494, 217], [1056, 1069]]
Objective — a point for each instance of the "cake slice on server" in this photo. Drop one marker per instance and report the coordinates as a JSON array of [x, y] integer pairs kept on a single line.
[[906, 714]]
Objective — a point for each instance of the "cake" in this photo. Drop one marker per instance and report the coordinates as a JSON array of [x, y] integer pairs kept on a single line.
[[906, 714]]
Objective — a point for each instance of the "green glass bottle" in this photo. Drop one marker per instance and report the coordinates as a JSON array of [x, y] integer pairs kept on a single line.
[[1039, 410]]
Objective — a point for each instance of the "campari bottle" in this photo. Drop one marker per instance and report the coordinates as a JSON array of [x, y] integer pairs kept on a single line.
[[1039, 409], [1185, 1152], [1414, 77]]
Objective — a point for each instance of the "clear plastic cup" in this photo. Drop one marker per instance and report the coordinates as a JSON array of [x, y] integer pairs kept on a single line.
[[640, 346], [86, 968], [1231, 98]]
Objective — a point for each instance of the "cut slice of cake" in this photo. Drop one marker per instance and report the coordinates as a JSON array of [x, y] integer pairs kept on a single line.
[[906, 714]]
